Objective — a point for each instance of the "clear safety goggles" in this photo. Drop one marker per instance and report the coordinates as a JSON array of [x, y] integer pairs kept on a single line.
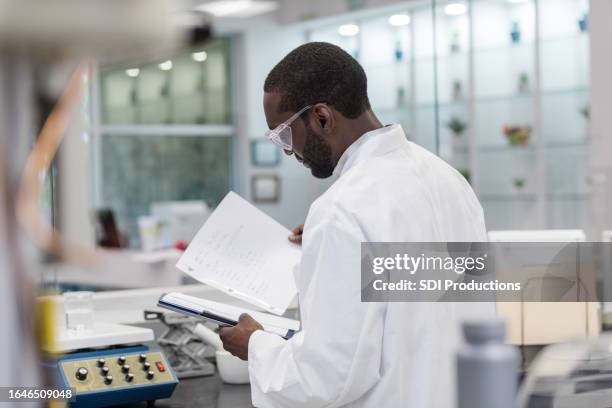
[[281, 135]]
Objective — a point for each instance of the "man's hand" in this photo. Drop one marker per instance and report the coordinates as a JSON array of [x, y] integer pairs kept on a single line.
[[296, 234], [236, 339]]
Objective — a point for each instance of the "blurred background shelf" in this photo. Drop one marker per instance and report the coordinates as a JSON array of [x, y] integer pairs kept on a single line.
[[519, 69]]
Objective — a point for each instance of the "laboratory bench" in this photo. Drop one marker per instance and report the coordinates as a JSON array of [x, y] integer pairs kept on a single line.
[[204, 392]]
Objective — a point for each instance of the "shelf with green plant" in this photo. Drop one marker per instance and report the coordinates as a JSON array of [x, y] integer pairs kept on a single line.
[[517, 135]]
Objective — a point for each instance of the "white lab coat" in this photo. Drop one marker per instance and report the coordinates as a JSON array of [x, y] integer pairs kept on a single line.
[[356, 354]]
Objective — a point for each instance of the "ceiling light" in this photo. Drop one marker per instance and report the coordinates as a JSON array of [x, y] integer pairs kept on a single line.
[[348, 30], [517, 1], [455, 9], [398, 20], [237, 8], [132, 72], [166, 65], [199, 56]]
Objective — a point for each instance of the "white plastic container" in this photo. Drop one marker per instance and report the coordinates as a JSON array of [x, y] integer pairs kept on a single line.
[[232, 370]]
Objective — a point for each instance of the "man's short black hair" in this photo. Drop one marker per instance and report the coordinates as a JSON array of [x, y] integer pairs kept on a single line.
[[320, 72]]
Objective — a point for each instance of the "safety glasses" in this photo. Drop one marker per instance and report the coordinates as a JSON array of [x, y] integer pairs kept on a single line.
[[281, 135]]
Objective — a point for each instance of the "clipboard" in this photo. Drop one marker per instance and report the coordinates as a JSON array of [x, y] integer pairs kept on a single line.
[[226, 315]]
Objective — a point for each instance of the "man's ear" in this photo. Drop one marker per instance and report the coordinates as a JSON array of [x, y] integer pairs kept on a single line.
[[324, 116]]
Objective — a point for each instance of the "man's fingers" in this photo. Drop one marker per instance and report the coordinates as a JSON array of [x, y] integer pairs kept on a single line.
[[296, 234], [224, 333], [244, 318]]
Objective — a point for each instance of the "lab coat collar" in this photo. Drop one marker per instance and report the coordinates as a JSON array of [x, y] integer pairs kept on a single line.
[[373, 143]]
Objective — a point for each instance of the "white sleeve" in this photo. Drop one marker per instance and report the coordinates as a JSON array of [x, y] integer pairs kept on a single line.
[[336, 357]]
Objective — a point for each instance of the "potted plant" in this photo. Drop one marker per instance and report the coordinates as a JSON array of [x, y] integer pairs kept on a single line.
[[455, 42], [523, 85], [585, 111], [456, 126], [519, 183], [517, 135], [457, 90]]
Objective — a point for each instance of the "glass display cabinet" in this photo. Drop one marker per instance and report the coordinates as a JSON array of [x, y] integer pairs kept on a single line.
[[497, 88], [166, 132], [189, 88]]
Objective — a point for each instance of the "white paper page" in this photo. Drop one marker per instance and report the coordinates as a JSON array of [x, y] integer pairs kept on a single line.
[[245, 253], [270, 322]]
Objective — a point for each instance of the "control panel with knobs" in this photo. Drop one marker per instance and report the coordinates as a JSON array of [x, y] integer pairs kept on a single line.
[[114, 373]]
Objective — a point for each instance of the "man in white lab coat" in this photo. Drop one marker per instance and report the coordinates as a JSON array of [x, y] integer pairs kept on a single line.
[[352, 353]]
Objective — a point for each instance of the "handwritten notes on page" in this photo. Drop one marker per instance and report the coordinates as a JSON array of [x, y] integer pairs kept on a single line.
[[244, 253]]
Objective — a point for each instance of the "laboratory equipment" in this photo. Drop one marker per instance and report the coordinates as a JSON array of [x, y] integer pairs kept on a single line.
[[208, 335], [109, 365], [78, 308], [524, 319], [186, 351], [487, 369], [232, 370], [571, 374], [179, 220], [149, 229]]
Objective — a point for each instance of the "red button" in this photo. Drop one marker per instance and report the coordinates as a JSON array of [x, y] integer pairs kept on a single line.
[[160, 366]]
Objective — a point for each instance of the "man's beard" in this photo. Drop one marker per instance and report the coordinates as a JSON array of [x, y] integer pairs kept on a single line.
[[318, 155]]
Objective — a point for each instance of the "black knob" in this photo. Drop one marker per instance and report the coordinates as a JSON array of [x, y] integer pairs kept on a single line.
[[125, 368], [142, 358], [108, 379], [101, 362], [121, 360], [146, 366], [150, 375], [81, 374], [129, 377], [104, 370]]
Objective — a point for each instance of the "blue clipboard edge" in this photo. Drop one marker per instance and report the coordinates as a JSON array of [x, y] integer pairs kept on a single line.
[[221, 321]]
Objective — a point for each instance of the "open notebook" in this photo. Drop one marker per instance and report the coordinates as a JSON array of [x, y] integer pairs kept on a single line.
[[226, 315], [243, 252]]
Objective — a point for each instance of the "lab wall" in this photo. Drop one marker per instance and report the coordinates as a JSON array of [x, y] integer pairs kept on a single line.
[[601, 112], [262, 44]]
